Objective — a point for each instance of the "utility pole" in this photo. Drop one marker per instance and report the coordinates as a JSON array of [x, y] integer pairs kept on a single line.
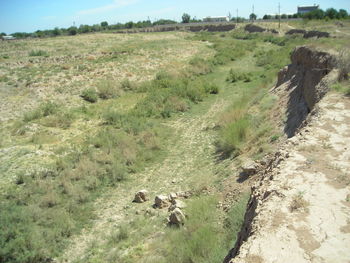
[[279, 15], [237, 15], [253, 13]]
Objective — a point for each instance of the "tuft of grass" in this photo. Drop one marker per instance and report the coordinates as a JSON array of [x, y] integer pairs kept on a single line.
[[127, 85], [44, 110], [38, 53], [299, 203], [90, 95], [343, 63], [342, 87], [108, 89], [236, 76], [233, 136]]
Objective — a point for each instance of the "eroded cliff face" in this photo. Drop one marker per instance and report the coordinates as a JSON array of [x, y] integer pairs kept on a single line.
[[303, 83], [269, 225]]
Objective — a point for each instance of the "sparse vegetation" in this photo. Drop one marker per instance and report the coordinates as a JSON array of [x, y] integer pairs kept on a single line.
[[65, 154]]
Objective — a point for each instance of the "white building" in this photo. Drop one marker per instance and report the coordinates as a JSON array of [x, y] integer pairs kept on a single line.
[[307, 9], [8, 38], [216, 19]]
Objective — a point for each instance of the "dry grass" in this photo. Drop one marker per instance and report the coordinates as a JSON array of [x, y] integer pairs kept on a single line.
[[298, 203]]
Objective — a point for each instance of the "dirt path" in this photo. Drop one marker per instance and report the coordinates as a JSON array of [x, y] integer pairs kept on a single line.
[[190, 156], [306, 215]]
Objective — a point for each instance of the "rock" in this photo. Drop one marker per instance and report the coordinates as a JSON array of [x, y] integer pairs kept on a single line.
[[249, 168], [172, 196], [177, 204], [184, 194], [141, 196], [177, 217], [161, 201]]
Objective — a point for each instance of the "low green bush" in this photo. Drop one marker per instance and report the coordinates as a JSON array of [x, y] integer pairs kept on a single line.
[[127, 85], [38, 53], [45, 109], [238, 76], [233, 135], [200, 66], [108, 89], [90, 95]]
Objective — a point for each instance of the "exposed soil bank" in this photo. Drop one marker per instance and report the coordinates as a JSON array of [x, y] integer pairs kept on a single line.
[[299, 209]]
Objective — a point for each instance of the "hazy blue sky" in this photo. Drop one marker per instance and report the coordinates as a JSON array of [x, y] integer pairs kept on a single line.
[[30, 15]]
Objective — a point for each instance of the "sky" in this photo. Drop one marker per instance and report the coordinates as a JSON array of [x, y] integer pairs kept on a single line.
[[32, 15]]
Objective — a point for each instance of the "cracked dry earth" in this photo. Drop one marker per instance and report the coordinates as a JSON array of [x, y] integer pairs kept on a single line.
[[306, 218]]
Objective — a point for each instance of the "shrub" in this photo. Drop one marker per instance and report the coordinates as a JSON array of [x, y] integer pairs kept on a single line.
[[233, 135], [107, 89], [90, 95], [61, 120], [200, 66], [45, 109], [343, 63], [236, 76], [38, 53], [127, 85]]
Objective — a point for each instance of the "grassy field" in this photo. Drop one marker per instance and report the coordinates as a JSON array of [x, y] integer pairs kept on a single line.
[[102, 116]]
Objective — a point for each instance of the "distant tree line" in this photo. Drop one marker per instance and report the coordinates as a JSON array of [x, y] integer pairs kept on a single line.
[[330, 13], [82, 29]]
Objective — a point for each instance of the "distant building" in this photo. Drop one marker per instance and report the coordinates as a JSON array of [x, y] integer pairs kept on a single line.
[[306, 9], [216, 19], [8, 38]]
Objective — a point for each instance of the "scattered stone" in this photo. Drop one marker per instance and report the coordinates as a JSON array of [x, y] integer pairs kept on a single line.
[[184, 194], [177, 204], [172, 196], [161, 201], [249, 168], [141, 196], [176, 217]]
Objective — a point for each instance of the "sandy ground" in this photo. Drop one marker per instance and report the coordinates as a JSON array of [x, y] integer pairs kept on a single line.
[[306, 218]]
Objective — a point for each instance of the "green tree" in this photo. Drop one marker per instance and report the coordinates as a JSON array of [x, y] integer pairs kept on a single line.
[[129, 24], [56, 31], [315, 14], [3, 34], [72, 31], [331, 13], [104, 24], [343, 13], [186, 18], [252, 16], [84, 29], [284, 16]]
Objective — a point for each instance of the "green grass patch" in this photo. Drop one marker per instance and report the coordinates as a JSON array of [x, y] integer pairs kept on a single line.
[[38, 53]]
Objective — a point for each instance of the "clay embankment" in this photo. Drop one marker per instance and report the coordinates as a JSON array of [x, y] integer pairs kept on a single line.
[[299, 210]]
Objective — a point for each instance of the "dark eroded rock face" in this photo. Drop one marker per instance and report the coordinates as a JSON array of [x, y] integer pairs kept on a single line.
[[254, 28], [308, 34], [212, 28], [304, 83]]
